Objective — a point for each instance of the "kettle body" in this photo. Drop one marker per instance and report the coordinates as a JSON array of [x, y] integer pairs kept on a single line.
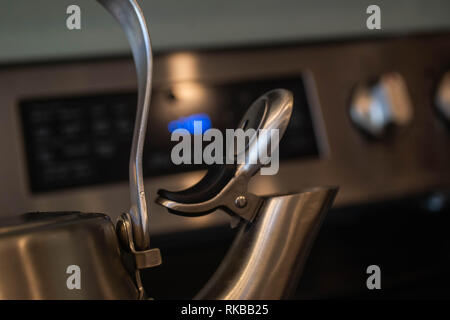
[[62, 255], [73, 255]]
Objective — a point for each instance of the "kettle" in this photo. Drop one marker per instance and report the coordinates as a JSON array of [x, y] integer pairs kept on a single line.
[[41, 252]]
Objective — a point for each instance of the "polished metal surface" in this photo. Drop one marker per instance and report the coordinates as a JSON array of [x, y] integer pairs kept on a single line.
[[266, 259], [374, 108], [410, 162], [271, 111], [132, 20], [36, 250]]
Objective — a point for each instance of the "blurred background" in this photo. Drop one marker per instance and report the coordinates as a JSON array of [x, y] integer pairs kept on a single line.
[[371, 115], [36, 30]]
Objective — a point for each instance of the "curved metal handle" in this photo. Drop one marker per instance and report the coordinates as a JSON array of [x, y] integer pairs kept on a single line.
[[132, 21]]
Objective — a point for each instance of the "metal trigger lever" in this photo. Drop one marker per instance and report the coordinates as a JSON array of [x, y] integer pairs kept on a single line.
[[224, 186]]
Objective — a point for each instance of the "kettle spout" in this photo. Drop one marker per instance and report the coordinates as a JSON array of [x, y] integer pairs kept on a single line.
[[267, 257]]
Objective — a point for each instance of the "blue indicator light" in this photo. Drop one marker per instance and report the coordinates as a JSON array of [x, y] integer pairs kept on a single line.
[[188, 123]]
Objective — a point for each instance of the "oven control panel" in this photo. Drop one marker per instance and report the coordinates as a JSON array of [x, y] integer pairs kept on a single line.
[[84, 140]]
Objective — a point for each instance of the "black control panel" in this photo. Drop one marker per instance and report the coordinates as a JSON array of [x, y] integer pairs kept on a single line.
[[80, 141]]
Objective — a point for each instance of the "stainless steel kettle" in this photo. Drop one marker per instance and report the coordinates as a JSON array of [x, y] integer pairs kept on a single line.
[[38, 251]]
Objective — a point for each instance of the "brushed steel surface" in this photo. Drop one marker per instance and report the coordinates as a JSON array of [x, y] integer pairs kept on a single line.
[[413, 161], [266, 258], [37, 248]]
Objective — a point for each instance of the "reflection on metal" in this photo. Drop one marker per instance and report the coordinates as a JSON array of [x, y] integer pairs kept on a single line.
[[374, 108], [132, 20], [443, 96], [37, 248], [133, 227], [268, 255]]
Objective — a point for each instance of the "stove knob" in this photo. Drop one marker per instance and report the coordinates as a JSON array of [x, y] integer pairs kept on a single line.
[[442, 99], [376, 107]]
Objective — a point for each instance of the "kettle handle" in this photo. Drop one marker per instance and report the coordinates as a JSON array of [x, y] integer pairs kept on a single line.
[[132, 20]]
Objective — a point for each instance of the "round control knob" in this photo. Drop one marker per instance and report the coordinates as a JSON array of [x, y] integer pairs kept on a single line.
[[442, 99], [376, 107]]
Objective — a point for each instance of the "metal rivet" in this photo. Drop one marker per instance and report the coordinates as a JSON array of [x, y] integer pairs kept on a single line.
[[240, 202]]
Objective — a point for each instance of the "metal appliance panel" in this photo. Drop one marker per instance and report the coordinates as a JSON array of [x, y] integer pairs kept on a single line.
[[412, 159]]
